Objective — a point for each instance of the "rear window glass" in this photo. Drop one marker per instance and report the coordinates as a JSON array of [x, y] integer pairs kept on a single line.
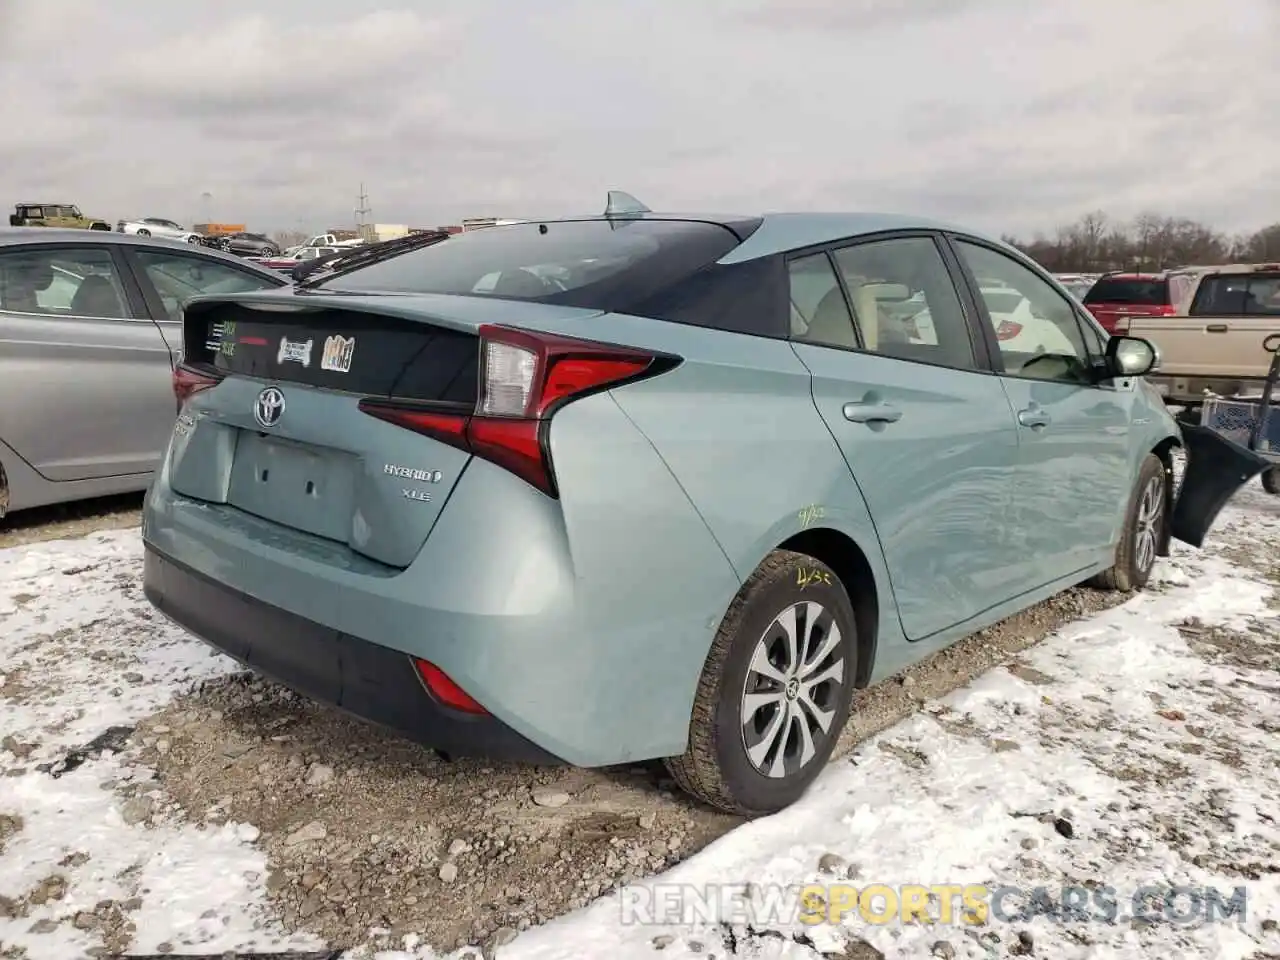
[[1237, 295], [1154, 293], [596, 264]]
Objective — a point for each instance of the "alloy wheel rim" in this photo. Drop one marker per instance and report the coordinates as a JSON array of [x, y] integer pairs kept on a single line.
[[1147, 528], [792, 687]]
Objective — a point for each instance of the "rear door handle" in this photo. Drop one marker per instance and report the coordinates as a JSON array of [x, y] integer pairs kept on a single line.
[[1216, 328], [1034, 417], [875, 412]]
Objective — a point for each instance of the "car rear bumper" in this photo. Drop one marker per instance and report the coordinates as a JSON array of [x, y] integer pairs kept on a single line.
[[368, 680]]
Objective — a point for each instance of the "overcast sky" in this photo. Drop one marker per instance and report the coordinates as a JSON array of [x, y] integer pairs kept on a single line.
[[1005, 115]]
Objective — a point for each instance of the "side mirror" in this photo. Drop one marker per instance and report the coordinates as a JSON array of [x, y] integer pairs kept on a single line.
[[1131, 357]]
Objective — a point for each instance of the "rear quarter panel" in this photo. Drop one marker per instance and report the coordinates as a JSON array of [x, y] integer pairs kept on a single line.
[[736, 425]]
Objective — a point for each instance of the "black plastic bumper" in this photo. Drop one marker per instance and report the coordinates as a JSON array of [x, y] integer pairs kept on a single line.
[[370, 681]]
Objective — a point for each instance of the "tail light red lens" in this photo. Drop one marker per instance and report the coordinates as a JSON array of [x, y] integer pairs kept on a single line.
[[525, 378], [444, 690], [1008, 330], [187, 382]]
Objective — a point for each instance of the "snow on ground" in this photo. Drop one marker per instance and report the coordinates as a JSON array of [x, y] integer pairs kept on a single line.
[[1131, 749], [81, 652]]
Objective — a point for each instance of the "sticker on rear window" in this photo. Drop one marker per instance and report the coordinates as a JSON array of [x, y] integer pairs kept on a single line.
[[338, 351], [299, 351]]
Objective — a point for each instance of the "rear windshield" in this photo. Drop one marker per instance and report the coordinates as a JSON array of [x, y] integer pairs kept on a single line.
[[1238, 295], [1149, 293], [596, 264]]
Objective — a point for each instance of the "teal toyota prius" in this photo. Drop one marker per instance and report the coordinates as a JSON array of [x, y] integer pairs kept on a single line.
[[632, 486]]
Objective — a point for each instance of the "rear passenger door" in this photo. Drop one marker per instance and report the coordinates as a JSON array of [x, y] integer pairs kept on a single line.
[[84, 374], [927, 432], [1074, 470]]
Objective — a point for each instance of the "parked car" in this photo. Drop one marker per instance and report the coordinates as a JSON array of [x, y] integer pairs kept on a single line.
[[248, 245], [89, 333], [1120, 295], [1213, 341], [1076, 284], [670, 487], [157, 227]]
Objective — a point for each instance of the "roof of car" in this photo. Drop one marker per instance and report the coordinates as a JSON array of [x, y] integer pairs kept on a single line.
[[12, 236], [779, 232]]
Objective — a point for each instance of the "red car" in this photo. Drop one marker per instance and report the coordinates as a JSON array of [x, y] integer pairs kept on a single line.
[[1118, 296]]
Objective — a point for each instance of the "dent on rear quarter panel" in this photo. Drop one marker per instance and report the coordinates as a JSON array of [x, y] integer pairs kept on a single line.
[[736, 424], [648, 577]]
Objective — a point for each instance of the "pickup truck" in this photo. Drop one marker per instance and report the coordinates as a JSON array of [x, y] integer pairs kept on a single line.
[[1213, 342]]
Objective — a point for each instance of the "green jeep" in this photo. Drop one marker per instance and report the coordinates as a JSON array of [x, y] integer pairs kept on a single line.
[[54, 215]]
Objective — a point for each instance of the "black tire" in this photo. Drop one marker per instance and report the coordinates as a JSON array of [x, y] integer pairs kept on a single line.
[[1271, 480], [99, 226], [4, 493], [716, 767], [144, 232], [1142, 532]]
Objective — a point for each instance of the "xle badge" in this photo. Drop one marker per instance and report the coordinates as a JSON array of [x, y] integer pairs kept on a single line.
[[420, 495]]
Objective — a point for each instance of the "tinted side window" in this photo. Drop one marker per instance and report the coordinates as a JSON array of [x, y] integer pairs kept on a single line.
[[62, 282], [178, 278], [1035, 326], [819, 312], [747, 297], [905, 302]]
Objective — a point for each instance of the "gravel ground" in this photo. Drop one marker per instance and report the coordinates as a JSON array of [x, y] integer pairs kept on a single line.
[[370, 837], [368, 832]]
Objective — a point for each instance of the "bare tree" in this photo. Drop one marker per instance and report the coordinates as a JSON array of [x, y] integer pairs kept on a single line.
[[1151, 241]]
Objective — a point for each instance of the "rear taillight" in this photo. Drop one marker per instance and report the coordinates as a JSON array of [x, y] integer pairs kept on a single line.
[[187, 382], [524, 378], [444, 690], [1008, 330], [1168, 310]]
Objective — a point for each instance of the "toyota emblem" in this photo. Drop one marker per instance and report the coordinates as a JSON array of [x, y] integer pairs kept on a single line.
[[269, 408]]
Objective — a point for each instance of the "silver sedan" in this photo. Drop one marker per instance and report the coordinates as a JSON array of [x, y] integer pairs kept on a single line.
[[90, 330], [160, 228]]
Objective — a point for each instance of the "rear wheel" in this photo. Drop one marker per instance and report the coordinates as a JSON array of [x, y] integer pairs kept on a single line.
[[775, 690], [1271, 480], [4, 493], [144, 232], [1143, 530]]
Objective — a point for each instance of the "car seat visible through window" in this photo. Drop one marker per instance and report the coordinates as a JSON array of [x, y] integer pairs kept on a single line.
[[97, 297]]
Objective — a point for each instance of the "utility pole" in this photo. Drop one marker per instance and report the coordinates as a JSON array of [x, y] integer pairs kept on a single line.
[[363, 227], [362, 211]]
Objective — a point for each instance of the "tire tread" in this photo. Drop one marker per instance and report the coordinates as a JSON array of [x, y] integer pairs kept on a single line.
[[697, 771]]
